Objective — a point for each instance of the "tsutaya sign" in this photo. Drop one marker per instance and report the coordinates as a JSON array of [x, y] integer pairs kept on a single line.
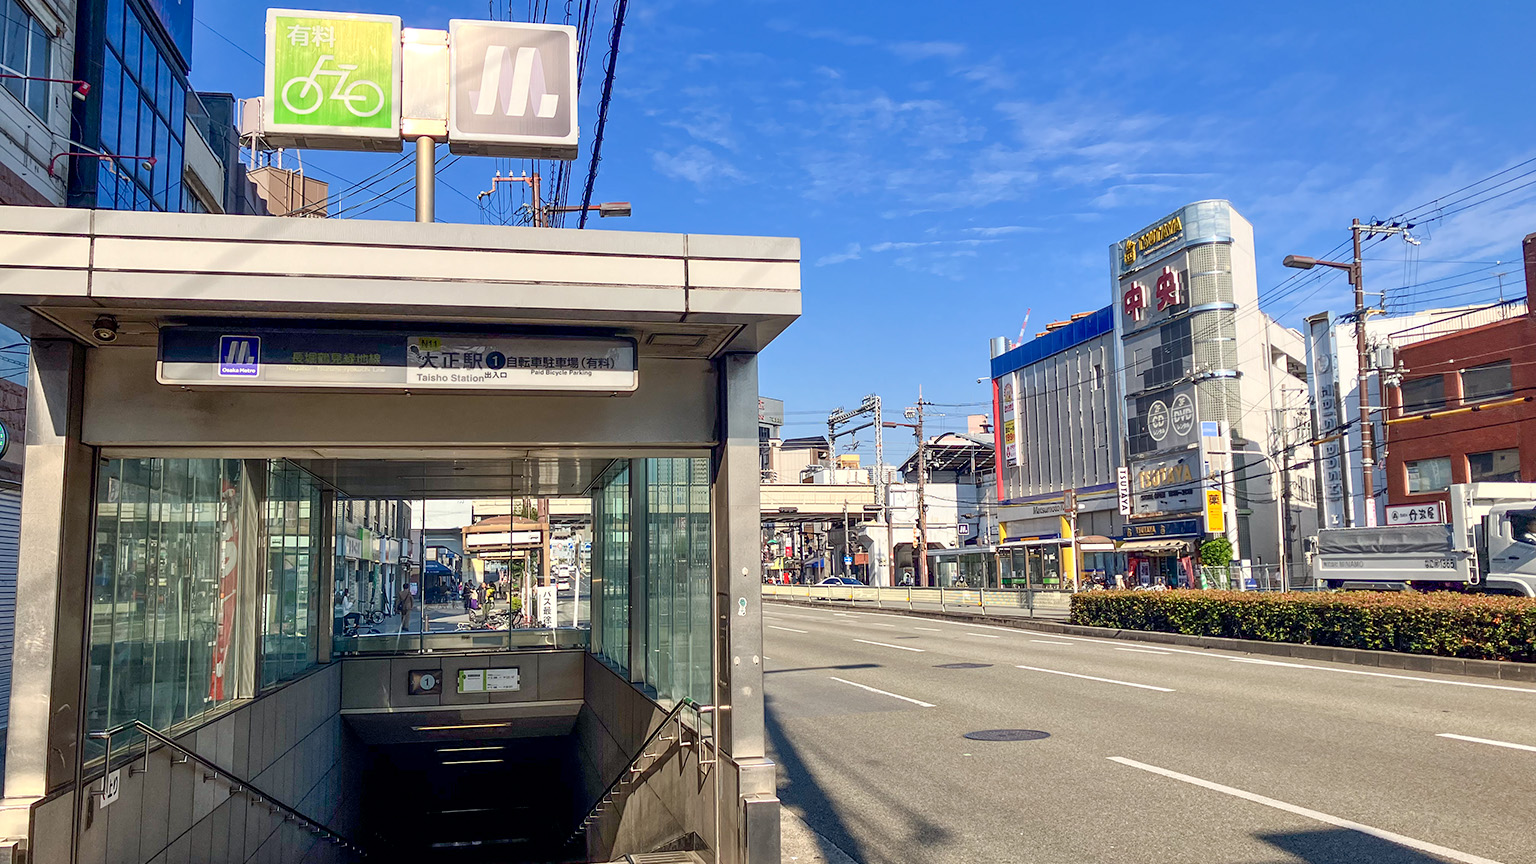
[[347, 81], [352, 359]]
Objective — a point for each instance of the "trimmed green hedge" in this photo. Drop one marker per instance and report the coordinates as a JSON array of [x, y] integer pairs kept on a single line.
[[1444, 624]]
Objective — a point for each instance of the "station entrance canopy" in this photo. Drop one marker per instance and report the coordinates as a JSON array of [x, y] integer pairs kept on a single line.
[[223, 376]]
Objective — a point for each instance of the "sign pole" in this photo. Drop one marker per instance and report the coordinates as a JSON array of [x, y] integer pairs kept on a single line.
[[426, 178]]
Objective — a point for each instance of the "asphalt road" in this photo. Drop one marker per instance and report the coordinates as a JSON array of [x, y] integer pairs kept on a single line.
[[1155, 754]]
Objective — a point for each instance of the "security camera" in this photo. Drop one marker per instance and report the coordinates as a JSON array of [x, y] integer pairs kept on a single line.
[[105, 329]]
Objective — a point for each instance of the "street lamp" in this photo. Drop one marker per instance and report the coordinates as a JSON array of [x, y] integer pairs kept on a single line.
[[1362, 377]]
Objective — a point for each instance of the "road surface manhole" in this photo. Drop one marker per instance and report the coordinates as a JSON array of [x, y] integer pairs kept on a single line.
[[1007, 735], [962, 665]]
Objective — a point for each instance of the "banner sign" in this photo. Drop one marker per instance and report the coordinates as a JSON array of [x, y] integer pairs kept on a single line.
[[1332, 458], [333, 78], [1176, 528], [229, 587], [1165, 486], [512, 88], [1215, 513], [1432, 513], [351, 359], [1123, 486]]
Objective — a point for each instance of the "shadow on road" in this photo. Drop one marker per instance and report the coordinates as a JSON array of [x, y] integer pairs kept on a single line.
[[815, 668], [800, 790], [1343, 846]]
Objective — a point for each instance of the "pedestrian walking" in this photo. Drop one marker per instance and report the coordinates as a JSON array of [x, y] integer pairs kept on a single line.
[[404, 602], [466, 595]]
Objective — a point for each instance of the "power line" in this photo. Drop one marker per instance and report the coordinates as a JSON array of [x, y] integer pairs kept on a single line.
[[620, 7]]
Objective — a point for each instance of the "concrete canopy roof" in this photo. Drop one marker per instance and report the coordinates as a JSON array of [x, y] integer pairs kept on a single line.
[[678, 295]]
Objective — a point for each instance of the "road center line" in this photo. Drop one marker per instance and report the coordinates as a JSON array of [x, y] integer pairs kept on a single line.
[[873, 624], [786, 629], [929, 629], [1094, 678], [1049, 642], [918, 702], [1487, 741], [1326, 819], [889, 645], [981, 635], [1142, 651]]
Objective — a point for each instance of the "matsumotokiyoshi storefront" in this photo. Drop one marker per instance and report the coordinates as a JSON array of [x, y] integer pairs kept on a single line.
[[1036, 540]]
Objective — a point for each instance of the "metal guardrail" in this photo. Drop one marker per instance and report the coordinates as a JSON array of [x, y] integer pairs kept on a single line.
[[238, 785], [1054, 602], [448, 641], [633, 769]]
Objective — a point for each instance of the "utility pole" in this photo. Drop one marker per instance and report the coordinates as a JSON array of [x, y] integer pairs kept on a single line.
[[1362, 355], [1363, 386], [922, 500], [920, 548], [841, 417]]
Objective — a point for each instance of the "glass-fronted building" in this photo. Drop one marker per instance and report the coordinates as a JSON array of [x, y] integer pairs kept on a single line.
[[135, 55]]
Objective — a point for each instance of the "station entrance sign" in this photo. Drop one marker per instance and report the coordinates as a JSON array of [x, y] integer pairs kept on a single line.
[[363, 359], [345, 81]]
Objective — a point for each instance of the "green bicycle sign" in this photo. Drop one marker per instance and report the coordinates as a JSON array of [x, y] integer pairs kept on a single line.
[[332, 74]]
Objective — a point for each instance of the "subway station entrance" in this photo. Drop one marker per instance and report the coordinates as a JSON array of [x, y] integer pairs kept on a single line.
[[229, 650]]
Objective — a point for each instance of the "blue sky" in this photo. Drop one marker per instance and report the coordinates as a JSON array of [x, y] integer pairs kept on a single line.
[[948, 168]]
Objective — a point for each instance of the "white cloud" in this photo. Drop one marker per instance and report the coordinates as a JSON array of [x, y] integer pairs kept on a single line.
[[1001, 230], [926, 50], [696, 165], [849, 253]]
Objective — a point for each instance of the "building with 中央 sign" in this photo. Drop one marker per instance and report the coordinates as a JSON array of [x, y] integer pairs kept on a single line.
[[1057, 402], [1213, 396], [1118, 424]]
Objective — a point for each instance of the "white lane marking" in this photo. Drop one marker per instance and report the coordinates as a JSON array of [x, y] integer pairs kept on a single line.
[[1049, 642], [1326, 819], [1487, 741], [873, 624], [801, 617], [981, 635], [918, 702], [1094, 678], [766, 657], [929, 629], [1258, 662], [1142, 650], [786, 629], [889, 645]]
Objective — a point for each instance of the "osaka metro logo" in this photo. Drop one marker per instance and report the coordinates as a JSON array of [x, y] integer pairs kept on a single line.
[[239, 356]]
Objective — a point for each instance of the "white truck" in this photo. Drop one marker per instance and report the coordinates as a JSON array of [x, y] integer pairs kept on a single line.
[[1489, 546]]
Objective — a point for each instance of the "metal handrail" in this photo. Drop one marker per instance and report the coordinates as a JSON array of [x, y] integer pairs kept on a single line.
[[237, 784], [631, 768]]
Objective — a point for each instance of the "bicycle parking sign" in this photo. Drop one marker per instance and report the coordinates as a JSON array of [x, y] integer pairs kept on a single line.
[[333, 75]]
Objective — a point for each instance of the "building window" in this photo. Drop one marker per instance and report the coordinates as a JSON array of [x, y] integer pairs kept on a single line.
[[25, 49], [1486, 382], [1495, 466], [1423, 394], [1429, 475]]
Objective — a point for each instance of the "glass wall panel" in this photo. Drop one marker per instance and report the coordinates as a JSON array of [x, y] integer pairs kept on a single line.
[[610, 560], [165, 583], [678, 584], [295, 550]]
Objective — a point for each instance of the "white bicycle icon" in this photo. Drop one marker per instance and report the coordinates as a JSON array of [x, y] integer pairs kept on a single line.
[[311, 94]]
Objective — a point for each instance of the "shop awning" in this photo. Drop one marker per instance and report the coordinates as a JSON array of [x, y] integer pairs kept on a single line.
[[1095, 543], [1153, 546], [1040, 541]]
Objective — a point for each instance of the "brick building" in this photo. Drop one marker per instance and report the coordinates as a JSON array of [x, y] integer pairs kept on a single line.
[[1465, 408]]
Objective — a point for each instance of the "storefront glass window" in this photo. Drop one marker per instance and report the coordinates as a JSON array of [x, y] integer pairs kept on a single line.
[[166, 586]]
